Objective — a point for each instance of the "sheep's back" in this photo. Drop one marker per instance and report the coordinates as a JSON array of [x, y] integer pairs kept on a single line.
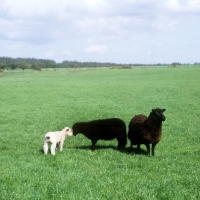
[[137, 119], [134, 133], [142, 129], [105, 129]]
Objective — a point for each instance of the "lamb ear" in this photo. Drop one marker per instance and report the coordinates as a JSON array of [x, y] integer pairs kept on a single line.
[[163, 110]]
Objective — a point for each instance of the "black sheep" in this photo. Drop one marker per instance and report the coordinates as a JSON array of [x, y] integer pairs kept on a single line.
[[102, 129], [146, 130]]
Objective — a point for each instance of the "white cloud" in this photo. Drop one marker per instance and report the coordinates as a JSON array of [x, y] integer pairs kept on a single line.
[[183, 6], [41, 22], [159, 44], [96, 49], [67, 27], [163, 23], [49, 54], [150, 53], [12, 46], [66, 53]]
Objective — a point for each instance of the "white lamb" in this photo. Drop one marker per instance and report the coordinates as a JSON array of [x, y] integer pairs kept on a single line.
[[57, 137]]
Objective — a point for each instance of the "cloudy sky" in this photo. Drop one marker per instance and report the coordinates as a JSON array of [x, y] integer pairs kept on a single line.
[[128, 31]]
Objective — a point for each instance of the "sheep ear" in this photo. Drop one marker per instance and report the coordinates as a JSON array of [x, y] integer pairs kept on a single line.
[[156, 112], [163, 110]]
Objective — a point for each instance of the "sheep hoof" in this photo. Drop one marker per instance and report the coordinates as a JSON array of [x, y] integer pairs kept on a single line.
[[92, 149]]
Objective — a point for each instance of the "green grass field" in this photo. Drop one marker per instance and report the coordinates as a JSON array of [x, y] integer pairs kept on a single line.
[[35, 103]]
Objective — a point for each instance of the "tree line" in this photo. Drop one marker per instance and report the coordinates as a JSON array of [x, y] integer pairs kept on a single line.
[[38, 64]]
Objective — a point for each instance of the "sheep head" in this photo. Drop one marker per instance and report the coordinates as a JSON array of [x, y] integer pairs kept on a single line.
[[158, 113], [75, 130]]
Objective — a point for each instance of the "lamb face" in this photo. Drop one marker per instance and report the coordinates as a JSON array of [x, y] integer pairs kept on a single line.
[[68, 131]]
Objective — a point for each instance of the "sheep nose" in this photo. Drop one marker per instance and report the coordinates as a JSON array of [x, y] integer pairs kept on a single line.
[[164, 118]]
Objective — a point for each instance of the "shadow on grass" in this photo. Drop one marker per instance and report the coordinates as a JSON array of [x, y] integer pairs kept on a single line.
[[128, 150], [97, 147], [41, 151], [49, 151]]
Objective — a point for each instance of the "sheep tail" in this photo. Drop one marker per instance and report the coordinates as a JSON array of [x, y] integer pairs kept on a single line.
[[46, 139]]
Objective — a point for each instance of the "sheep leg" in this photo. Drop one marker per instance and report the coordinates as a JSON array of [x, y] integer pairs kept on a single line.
[[131, 146], [148, 149], [119, 146], [94, 141], [153, 149], [53, 148], [138, 148], [122, 140], [58, 144], [61, 145], [45, 148]]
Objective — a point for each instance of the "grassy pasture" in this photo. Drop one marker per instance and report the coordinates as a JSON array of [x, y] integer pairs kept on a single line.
[[35, 103]]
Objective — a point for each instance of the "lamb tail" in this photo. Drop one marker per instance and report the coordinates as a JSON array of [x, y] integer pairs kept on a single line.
[[46, 139]]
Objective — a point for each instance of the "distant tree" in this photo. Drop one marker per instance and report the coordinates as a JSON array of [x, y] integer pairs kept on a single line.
[[49, 64], [23, 65], [8, 62], [13, 66], [174, 64], [34, 66], [1, 66]]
